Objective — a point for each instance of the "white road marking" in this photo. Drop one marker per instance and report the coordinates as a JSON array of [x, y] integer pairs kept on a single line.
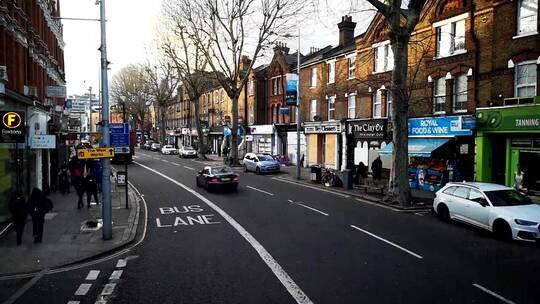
[[165, 161], [121, 263], [116, 275], [5, 229], [175, 164], [92, 275], [294, 290], [189, 168], [310, 208], [418, 213], [505, 300], [311, 187], [253, 188], [290, 201], [387, 242], [83, 289], [108, 289], [73, 302]]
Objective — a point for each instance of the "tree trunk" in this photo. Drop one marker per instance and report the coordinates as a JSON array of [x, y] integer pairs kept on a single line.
[[163, 132], [201, 148], [398, 188], [234, 131]]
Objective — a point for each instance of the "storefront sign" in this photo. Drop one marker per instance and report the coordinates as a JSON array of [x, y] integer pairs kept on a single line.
[[12, 127], [56, 91], [368, 129], [448, 126], [95, 153], [517, 118], [262, 129], [326, 127], [43, 142]]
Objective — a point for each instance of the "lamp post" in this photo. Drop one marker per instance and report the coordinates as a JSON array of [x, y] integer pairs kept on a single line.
[[125, 161], [298, 124]]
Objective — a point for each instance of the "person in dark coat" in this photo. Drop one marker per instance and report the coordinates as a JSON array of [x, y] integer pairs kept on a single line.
[[90, 183], [376, 168], [361, 172], [64, 182], [17, 207], [38, 205], [77, 180]]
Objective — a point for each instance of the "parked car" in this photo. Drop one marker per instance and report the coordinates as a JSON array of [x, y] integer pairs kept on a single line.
[[148, 144], [218, 177], [260, 163], [496, 208], [187, 151], [168, 149], [155, 146]]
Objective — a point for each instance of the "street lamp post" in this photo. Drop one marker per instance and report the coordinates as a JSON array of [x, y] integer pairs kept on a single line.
[[125, 161], [298, 124]]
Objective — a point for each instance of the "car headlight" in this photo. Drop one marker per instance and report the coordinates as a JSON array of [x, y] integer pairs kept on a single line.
[[525, 223]]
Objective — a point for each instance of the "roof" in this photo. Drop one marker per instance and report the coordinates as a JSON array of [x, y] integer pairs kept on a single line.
[[340, 49], [483, 186]]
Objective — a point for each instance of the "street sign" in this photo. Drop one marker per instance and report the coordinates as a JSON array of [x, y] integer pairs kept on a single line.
[[95, 153], [291, 89], [121, 150], [56, 91], [43, 142], [119, 135], [12, 128]]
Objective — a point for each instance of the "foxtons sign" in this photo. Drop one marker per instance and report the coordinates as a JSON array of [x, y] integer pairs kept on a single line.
[[368, 129], [12, 128]]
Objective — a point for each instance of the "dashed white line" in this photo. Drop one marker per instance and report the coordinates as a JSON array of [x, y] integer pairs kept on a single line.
[[92, 275], [387, 242], [165, 161], [6, 228], [121, 263], [116, 275], [189, 168], [505, 300], [73, 302], [310, 208], [253, 188], [83, 289], [108, 289]]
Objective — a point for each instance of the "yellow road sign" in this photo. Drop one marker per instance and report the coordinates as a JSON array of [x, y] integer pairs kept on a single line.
[[95, 153]]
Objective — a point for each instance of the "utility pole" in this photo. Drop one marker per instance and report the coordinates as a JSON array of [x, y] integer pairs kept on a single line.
[[125, 161], [298, 124], [106, 188], [90, 106]]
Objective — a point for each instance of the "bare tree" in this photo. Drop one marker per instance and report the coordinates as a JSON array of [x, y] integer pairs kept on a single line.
[[129, 85], [227, 30]]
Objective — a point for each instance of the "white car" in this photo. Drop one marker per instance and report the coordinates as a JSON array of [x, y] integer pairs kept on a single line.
[[187, 151], [168, 149], [499, 209], [155, 146]]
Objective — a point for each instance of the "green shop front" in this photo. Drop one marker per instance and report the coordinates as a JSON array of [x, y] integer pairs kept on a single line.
[[508, 140]]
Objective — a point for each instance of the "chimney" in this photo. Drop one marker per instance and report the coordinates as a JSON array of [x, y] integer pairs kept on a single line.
[[281, 46], [244, 62], [313, 50], [346, 30]]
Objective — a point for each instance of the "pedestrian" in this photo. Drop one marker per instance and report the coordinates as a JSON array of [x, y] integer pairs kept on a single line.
[[17, 206], [376, 168], [64, 177], [361, 172], [38, 205], [90, 183], [99, 174], [77, 180], [302, 160]]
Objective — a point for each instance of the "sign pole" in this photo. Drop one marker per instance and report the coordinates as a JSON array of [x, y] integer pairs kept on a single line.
[[106, 191], [125, 161], [298, 124]]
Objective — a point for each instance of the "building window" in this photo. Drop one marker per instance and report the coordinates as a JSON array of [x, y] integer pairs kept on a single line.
[[351, 106], [251, 88], [276, 86], [384, 58], [460, 94], [525, 79], [331, 71], [439, 95], [222, 95], [377, 102], [331, 108], [389, 104], [527, 16], [313, 77], [312, 109], [352, 67], [451, 38]]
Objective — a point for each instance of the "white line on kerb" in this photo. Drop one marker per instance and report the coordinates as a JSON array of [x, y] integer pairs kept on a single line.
[[308, 207], [189, 168], [293, 289], [253, 188], [505, 300], [387, 242], [92, 275]]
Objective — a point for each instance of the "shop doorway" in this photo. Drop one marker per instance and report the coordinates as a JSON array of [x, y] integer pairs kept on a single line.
[[528, 163], [498, 160]]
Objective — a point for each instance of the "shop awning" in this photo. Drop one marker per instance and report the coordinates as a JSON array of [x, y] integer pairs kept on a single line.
[[419, 146]]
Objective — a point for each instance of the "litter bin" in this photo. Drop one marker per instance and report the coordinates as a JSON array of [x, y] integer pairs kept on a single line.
[[316, 173], [347, 178]]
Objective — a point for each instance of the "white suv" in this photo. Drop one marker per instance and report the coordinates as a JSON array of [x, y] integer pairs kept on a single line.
[[499, 209]]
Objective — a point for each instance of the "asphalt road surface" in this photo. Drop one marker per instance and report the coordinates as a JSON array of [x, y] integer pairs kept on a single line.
[[278, 242]]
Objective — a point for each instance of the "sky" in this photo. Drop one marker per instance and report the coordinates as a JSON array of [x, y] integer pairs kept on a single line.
[[130, 36]]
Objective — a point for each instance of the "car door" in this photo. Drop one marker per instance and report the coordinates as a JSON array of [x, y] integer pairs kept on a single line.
[[248, 161], [477, 209], [458, 202]]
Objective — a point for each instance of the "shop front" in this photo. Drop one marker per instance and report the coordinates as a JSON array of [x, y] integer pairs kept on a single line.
[[364, 138], [287, 144], [508, 141], [215, 138], [441, 149], [262, 140], [324, 143]]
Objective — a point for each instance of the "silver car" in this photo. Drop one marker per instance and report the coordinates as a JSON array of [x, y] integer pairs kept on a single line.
[[187, 151], [260, 163]]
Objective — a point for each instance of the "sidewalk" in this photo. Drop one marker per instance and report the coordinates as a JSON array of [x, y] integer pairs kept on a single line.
[[421, 200], [64, 239]]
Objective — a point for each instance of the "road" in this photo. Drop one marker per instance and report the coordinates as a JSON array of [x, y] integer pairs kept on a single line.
[[278, 242]]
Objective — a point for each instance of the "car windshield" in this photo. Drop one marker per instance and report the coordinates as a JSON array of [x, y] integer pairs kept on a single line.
[[167, 146], [188, 148], [501, 198], [221, 170], [264, 157]]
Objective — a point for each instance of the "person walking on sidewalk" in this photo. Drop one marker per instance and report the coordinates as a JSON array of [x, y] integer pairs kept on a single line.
[[90, 182], [17, 206], [376, 168], [77, 180], [38, 205], [64, 177]]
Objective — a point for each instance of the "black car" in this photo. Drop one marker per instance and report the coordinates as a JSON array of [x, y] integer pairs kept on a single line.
[[148, 144], [220, 177]]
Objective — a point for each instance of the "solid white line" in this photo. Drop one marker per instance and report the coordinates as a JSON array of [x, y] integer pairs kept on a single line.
[[92, 275], [116, 275], [73, 302], [387, 242], [505, 300], [311, 187], [323, 213], [4, 230], [189, 168], [108, 289], [294, 290], [253, 188], [121, 263], [83, 289]]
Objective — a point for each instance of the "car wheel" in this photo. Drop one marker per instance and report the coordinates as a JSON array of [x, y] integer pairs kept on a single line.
[[502, 230], [443, 213], [258, 170]]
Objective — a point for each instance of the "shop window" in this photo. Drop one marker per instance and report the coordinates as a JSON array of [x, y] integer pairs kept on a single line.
[[527, 17], [331, 108], [331, 66], [312, 109], [313, 77], [525, 79], [451, 36], [377, 104], [352, 67], [460, 94], [351, 106], [384, 57], [251, 87], [276, 85], [439, 95]]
